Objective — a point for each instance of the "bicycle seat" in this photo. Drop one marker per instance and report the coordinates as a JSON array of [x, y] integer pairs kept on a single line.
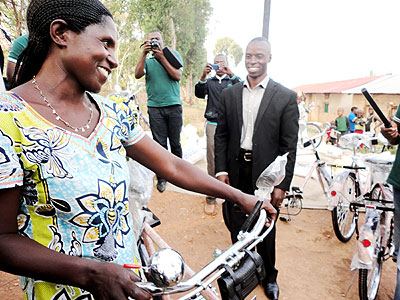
[[296, 189]]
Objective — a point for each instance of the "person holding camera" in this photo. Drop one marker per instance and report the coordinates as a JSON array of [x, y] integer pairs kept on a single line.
[[164, 103], [212, 88]]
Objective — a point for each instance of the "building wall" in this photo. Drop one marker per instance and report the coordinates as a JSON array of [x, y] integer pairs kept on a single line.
[[388, 103]]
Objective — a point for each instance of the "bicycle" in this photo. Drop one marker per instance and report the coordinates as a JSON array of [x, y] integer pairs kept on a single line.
[[293, 201], [375, 238], [238, 269], [348, 188], [308, 130]]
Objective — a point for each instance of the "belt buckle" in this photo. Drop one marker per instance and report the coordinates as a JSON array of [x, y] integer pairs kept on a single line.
[[247, 157]]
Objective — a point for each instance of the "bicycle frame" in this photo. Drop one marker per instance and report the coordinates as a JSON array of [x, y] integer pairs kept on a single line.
[[384, 231], [231, 256]]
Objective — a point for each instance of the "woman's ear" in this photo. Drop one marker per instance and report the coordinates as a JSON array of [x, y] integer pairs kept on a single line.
[[59, 32]]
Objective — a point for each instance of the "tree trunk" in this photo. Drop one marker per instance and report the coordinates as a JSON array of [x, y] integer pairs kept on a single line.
[[189, 87], [173, 33]]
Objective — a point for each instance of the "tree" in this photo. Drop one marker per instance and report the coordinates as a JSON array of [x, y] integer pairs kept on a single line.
[[183, 24], [230, 48], [128, 43], [14, 12]]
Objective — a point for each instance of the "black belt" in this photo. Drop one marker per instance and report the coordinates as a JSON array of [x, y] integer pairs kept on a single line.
[[246, 155]]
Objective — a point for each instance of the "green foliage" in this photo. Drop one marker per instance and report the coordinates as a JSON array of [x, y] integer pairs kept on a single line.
[[182, 23], [13, 16], [230, 48]]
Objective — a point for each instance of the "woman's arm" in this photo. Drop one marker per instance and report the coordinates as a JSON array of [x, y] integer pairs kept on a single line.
[[187, 176], [23, 256]]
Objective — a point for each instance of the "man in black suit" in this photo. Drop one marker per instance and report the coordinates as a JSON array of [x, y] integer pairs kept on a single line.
[[257, 121]]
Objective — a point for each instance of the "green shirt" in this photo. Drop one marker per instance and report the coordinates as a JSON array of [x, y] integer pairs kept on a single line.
[[394, 176], [341, 123], [18, 46], [161, 89]]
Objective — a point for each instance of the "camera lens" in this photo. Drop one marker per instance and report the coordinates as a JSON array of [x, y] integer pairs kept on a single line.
[[154, 44]]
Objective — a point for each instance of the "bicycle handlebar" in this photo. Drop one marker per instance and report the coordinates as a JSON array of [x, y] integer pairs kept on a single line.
[[347, 167], [231, 256], [250, 219], [312, 140]]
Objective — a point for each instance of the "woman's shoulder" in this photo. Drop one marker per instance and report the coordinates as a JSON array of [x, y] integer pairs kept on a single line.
[[10, 102]]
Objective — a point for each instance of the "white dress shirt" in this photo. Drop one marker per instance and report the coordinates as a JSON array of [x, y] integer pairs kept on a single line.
[[251, 103]]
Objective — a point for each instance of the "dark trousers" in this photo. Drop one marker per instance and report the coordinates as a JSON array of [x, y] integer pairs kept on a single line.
[[166, 123], [234, 218]]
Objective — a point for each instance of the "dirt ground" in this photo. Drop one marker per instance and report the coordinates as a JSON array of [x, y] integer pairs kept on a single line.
[[312, 263]]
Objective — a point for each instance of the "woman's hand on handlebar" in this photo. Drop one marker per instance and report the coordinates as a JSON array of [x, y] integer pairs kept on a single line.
[[270, 210], [249, 202], [114, 282]]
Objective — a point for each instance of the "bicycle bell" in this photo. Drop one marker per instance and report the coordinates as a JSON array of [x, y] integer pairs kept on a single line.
[[167, 267]]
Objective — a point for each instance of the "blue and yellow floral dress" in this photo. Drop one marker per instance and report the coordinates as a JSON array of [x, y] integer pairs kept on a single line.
[[74, 197]]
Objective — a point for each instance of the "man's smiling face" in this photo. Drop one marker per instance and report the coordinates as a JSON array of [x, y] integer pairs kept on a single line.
[[257, 58]]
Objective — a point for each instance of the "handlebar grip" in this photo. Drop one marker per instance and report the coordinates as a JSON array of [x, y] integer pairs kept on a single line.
[[253, 215], [308, 143], [376, 108]]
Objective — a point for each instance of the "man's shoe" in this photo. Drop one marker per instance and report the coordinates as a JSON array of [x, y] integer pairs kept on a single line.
[[272, 291], [161, 185]]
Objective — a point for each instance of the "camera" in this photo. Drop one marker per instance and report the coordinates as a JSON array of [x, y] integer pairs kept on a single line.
[[155, 44], [215, 66]]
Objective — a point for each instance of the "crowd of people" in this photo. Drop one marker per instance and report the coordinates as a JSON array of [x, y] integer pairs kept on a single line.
[[66, 227], [355, 122]]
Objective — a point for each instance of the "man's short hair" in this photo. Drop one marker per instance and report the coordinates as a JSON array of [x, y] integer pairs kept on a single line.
[[261, 39], [156, 31], [223, 55], [353, 108]]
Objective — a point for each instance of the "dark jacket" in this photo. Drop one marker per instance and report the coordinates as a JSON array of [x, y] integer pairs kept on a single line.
[[213, 88], [275, 131]]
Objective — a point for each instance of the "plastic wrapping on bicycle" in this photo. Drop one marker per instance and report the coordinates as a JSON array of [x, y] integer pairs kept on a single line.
[[252, 217], [347, 167]]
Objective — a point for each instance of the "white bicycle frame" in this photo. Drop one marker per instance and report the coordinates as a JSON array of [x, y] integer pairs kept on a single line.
[[201, 280]]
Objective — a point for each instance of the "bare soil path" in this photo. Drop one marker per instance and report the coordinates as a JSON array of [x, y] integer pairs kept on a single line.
[[312, 263]]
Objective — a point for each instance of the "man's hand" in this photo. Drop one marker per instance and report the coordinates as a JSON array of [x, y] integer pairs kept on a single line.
[[391, 134], [224, 179], [158, 53], [206, 71], [277, 197], [146, 47], [225, 69]]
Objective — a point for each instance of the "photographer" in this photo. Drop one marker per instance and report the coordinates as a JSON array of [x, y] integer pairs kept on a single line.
[[212, 89], [164, 103]]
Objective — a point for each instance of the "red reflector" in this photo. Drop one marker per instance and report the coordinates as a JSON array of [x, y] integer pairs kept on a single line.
[[333, 193], [366, 243]]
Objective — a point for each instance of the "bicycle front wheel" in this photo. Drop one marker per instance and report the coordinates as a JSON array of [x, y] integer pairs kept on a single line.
[[294, 206], [312, 131], [343, 219], [369, 280]]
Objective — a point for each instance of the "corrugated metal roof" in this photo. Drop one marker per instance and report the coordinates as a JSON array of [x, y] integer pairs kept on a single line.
[[336, 87], [389, 84]]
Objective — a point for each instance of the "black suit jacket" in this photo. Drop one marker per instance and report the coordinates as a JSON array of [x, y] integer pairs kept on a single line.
[[275, 131]]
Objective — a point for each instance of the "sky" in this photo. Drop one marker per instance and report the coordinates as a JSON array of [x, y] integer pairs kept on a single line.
[[314, 41]]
